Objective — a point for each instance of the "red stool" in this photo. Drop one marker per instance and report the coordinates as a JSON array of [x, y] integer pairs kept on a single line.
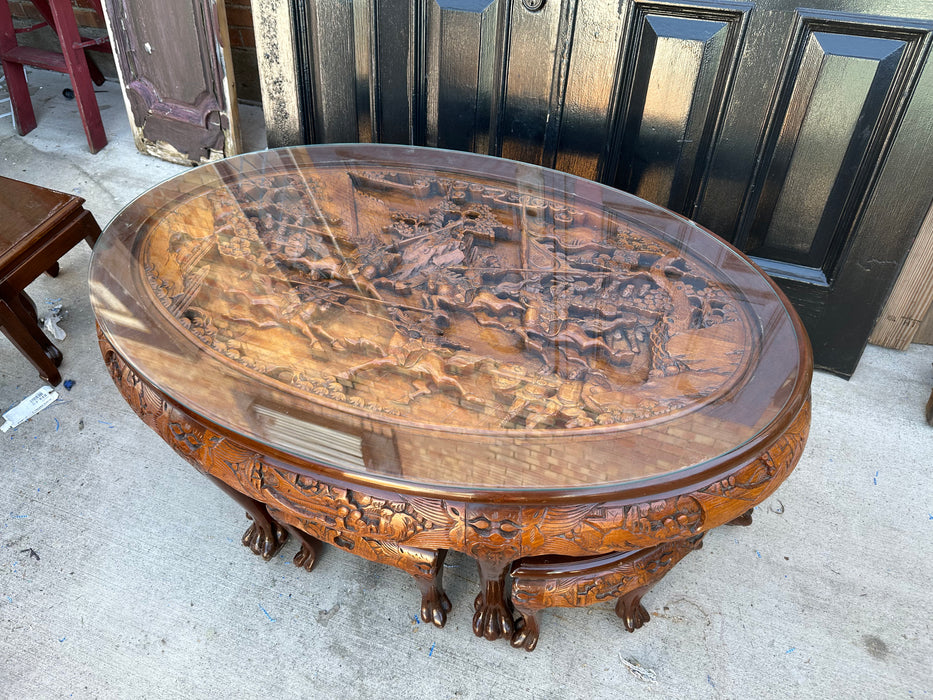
[[58, 15]]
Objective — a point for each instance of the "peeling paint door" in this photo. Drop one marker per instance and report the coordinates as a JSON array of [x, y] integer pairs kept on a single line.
[[173, 58]]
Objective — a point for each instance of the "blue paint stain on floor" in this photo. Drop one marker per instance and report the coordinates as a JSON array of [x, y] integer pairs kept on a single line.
[[271, 619]]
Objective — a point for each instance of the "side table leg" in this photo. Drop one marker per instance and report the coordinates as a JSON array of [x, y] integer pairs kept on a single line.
[[20, 324], [493, 616], [264, 536]]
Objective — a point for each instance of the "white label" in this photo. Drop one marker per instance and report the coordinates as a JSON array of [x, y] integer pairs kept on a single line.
[[28, 407]]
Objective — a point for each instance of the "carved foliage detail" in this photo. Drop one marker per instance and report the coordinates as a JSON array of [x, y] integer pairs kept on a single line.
[[574, 590], [494, 533]]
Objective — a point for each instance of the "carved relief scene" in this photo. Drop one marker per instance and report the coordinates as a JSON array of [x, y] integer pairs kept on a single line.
[[448, 301]]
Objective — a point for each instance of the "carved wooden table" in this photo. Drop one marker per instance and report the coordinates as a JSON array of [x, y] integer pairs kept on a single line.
[[402, 351]]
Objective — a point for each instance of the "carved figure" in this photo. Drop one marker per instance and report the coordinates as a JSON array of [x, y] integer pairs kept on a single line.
[[590, 324]]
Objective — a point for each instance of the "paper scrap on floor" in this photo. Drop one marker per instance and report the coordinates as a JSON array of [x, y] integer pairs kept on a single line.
[[43, 397]]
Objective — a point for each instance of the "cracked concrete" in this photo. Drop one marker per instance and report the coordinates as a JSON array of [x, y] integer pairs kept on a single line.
[[122, 573]]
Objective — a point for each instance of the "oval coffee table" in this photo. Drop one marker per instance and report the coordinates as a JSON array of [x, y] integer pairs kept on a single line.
[[402, 351]]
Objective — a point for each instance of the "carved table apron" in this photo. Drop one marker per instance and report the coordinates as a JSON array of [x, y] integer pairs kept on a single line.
[[403, 351]]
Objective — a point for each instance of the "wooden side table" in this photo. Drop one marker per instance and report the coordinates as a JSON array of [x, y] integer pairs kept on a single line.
[[37, 227]]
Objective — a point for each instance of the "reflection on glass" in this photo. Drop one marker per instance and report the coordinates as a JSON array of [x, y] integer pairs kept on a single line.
[[494, 307]]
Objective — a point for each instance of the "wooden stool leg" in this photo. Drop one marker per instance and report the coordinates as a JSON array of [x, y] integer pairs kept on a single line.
[[15, 75], [17, 326], [76, 62], [27, 311], [91, 229], [264, 536]]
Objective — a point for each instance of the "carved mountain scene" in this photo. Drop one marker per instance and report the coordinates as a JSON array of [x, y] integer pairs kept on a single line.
[[443, 299]]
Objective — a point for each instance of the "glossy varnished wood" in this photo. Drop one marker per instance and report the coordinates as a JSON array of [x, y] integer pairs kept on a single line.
[[37, 227], [404, 351]]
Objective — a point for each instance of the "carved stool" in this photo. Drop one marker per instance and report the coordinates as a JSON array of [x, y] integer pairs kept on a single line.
[[565, 582], [37, 227]]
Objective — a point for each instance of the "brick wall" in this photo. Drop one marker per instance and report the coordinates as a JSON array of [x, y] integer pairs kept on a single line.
[[243, 44], [87, 17]]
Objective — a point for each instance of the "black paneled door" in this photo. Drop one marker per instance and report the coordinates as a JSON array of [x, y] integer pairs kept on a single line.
[[802, 135]]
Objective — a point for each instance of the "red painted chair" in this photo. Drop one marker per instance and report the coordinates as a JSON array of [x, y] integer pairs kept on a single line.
[[58, 15]]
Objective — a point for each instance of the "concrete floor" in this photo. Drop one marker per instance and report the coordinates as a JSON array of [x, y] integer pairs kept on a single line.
[[122, 576]]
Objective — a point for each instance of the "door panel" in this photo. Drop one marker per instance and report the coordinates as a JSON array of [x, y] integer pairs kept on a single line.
[[843, 93], [796, 134], [530, 93], [328, 56], [172, 60], [461, 51], [681, 61], [590, 93]]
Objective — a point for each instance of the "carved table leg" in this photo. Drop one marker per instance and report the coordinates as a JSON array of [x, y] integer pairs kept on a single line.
[[434, 601], [743, 520], [264, 536], [493, 616]]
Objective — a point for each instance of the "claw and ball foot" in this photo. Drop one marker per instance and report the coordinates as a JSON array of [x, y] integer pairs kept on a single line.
[[630, 609], [493, 616], [264, 539], [306, 557], [434, 601], [434, 604], [264, 536], [526, 631]]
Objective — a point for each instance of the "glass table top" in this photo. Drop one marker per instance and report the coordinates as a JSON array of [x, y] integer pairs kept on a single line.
[[446, 319]]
